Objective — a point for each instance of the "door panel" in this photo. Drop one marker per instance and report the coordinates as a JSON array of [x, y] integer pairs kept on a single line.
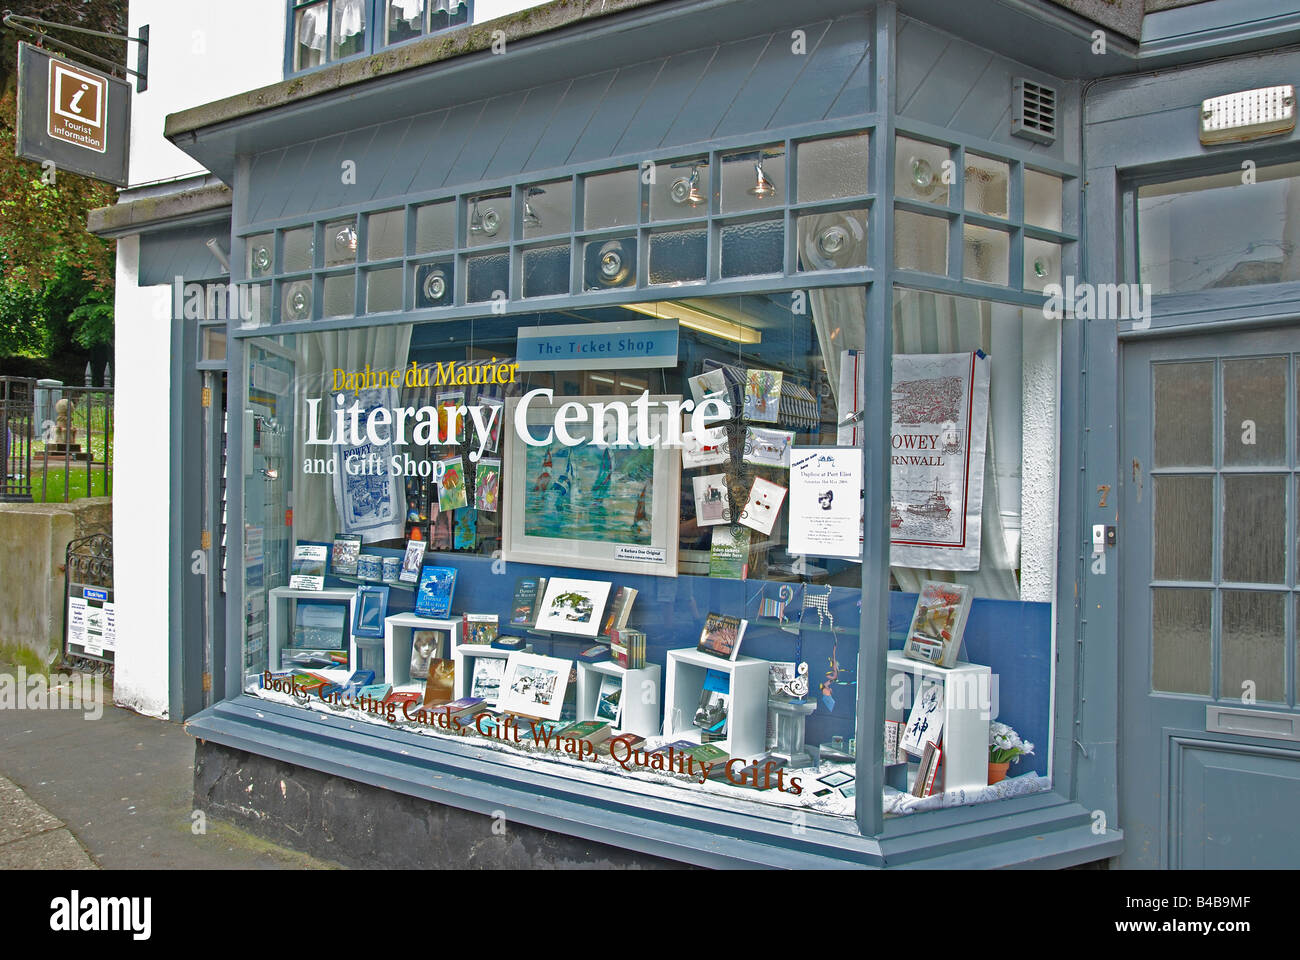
[[1233, 804], [1209, 599]]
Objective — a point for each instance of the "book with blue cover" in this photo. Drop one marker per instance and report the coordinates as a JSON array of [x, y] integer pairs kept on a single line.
[[437, 585]]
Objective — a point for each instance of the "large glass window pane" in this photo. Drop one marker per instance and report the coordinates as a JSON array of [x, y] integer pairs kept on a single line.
[[753, 179], [548, 208], [833, 168], [1184, 413], [1254, 528], [310, 33], [348, 30], [987, 185], [603, 523], [680, 191], [920, 170], [994, 549], [1220, 231], [613, 199], [988, 254], [1180, 641], [1254, 411], [1254, 644], [1184, 528], [405, 20], [920, 243]]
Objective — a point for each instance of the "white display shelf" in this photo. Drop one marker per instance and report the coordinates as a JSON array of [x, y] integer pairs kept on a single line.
[[281, 602], [969, 704], [397, 643], [747, 716], [464, 656], [640, 698]]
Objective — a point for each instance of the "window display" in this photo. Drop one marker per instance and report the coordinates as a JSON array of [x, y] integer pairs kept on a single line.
[[650, 564]]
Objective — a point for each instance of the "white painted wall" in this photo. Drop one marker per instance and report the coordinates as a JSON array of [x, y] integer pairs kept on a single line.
[[141, 494], [198, 52]]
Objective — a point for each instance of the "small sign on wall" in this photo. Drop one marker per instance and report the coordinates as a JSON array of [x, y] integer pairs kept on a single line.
[[77, 118], [632, 344]]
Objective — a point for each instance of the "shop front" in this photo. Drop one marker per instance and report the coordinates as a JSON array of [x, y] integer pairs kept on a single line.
[[673, 452]]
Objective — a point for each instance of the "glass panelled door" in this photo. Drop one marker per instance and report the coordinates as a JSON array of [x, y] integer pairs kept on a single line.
[[1209, 730]]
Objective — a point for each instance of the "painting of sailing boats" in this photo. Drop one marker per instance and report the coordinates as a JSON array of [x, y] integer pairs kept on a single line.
[[590, 493], [611, 507]]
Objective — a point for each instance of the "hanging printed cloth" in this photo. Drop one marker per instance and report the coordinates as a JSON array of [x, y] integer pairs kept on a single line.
[[938, 442]]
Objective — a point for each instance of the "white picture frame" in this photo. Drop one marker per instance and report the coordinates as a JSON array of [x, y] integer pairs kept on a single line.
[[566, 537], [572, 607], [534, 685]]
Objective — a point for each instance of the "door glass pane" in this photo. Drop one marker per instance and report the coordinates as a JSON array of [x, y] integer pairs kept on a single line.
[[1180, 637], [1184, 528], [1254, 529], [1254, 411], [1254, 631], [1184, 418]]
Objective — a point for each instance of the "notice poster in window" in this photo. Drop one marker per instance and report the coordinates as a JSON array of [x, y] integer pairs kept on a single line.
[[938, 439], [826, 502]]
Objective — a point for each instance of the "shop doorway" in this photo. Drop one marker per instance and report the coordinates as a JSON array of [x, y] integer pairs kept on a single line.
[[1209, 731]]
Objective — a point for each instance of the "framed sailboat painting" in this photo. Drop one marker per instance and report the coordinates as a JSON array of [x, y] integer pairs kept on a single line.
[[609, 506]]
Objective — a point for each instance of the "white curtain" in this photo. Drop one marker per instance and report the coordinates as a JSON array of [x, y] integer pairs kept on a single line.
[[349, 19], [315, 514], [313, 27]]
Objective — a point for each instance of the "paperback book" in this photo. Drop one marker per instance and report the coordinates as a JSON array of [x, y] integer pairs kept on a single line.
[[308, 570], [619, 611], [437, 585], [425, 646], [479, 628], [721, 636], [627, 648], [609, 701], [528, 596], [343, 560], [440, 685], [715, 699], [412, 561]]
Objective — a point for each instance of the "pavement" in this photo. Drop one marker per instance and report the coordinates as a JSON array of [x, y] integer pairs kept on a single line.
[[114, 792]]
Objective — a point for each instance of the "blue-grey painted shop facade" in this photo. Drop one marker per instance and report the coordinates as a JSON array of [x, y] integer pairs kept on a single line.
[[1132, 760]]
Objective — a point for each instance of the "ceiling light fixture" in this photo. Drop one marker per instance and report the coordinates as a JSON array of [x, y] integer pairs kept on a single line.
[[699, 321]]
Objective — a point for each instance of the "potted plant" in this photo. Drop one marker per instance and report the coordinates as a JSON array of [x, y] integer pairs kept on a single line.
[[1005, 748]]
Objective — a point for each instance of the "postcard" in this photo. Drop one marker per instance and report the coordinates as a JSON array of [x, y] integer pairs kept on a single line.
[[768, 448], [709, 449], [712, 501], [573, 606], [763, 395], [763, 506], [451, 484], [487, 485]]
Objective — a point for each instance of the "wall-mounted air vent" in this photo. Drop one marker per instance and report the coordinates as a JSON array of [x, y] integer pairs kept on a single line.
[[1033, 111]]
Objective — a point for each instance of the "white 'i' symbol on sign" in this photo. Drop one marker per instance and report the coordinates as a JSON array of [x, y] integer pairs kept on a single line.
[[77, 97]]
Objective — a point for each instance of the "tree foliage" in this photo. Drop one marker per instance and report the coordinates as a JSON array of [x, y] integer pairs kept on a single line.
[[56, 278]]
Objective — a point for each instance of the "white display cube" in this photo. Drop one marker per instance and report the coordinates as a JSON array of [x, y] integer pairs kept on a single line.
[[398, 629], [281, 602], [969, 705], [747, 715], [640, 713], [464, 656]]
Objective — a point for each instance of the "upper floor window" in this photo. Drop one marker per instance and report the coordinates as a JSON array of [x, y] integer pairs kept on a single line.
[[322, 31]]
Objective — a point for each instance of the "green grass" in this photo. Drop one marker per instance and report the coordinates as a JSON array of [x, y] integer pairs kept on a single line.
[[21, 656], [55, 478]]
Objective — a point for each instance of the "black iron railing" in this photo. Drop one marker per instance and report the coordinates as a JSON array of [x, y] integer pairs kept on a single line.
[[57, 440]]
